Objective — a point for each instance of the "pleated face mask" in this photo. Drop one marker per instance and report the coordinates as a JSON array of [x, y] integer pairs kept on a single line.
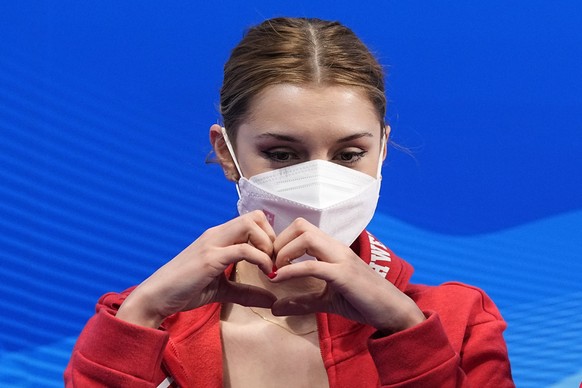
[[338, 200]]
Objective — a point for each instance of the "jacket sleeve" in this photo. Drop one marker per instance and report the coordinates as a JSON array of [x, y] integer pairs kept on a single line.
[[114, 353], [467, 351]]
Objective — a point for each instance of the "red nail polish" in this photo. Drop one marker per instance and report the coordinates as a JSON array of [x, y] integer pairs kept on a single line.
[[272, 275], [274, 268]]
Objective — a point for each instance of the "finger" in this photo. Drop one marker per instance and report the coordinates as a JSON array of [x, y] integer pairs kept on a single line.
[[310, 268], [246, 295], [263, 223], [252, 227], [262, 238], [313, 242], [235, 253], [295, 229], [301, 305]]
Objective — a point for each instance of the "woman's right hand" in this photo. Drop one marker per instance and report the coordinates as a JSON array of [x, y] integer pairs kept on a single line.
[[195, 277]]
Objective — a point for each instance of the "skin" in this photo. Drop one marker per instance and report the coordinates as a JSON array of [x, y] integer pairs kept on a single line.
[[286, 124]]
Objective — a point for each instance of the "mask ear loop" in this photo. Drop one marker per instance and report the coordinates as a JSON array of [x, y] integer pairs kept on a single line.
[[380, 161], [232, 155]]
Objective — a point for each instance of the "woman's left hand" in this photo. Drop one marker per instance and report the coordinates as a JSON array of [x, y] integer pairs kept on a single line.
[[354, 290]]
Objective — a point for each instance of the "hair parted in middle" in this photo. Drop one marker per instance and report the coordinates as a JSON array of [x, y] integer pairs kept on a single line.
[[300, 51]]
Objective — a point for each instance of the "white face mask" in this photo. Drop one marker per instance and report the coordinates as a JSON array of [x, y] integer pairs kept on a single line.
[[338, 200]]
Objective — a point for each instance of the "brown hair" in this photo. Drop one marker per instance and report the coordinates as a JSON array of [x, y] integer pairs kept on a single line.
[[297, 51]]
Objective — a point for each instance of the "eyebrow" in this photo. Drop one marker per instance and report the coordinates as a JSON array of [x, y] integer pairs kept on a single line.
[[355, 136], [292, 139], [278, 136]]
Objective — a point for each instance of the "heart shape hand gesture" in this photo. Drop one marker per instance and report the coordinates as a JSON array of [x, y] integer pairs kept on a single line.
[[195, 277]]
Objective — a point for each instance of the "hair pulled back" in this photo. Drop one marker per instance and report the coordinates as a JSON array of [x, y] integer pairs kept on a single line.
[[297, 51]]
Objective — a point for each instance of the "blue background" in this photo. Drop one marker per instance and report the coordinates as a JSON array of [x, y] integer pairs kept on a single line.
[[104, 114]]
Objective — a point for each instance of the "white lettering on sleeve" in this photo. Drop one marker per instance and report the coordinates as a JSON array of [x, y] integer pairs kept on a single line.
[[379, 252]]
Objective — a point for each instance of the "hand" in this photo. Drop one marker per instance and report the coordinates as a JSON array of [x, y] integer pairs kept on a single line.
[[353, 289], [195, 277]]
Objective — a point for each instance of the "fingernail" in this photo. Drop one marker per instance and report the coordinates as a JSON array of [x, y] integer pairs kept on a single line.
[[272, 275], [274, 268]]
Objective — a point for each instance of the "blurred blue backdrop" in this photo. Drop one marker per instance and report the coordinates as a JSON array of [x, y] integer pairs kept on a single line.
[[104, 113]]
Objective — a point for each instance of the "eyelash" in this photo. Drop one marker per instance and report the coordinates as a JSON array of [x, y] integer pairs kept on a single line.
[[355, 155], [276, 156]]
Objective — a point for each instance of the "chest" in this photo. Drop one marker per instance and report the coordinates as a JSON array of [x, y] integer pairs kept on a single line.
[[266, 356]]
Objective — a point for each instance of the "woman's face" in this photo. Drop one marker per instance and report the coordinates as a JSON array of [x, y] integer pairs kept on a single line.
[[289, 124]]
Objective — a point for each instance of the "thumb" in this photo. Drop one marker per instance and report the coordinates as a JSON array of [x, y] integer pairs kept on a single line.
[[246, 295], [300, 305]]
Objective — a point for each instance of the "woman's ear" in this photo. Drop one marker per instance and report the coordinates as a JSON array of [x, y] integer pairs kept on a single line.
[[222, 153]]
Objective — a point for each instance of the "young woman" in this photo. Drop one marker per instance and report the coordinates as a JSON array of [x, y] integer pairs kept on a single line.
[[295, 291]]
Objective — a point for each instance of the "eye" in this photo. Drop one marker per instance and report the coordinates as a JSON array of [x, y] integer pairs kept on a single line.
[[349, 157], [280, 156]]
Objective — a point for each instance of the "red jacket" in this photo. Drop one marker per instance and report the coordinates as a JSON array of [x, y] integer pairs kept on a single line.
[[459, 345]]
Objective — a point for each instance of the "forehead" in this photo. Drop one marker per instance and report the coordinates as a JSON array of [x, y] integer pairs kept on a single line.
[[288, 106]]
